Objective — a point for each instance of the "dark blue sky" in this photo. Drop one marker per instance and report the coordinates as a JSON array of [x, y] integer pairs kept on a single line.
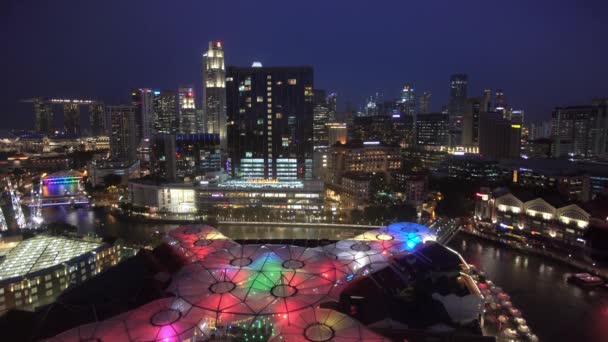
[[542, 53]]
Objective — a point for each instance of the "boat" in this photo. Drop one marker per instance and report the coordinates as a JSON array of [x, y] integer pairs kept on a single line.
[[585, 279]]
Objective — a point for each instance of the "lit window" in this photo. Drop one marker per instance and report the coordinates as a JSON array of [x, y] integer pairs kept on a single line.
[[292, 81], [260, 99], [279, 116]]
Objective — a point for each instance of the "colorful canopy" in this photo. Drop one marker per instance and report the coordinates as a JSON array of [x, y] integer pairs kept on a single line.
[[197, 241]]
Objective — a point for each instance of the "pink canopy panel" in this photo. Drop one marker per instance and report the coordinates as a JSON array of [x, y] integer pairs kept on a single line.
[[260, 280], [197, 241], [163, 320], [320, 325]]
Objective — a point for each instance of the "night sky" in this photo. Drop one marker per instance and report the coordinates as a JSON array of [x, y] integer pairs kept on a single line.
[[543, 53]]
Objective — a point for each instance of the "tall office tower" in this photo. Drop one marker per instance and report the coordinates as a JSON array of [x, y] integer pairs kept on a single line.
[[458, 97], [97, 119], [123, 140], [181, 156], [499, 138], [470, 121], [425, 103], [71, 119], [187, 111], [332, 104], [407, 103], [143, 99], [214, 92], [270, 111], [432, 129], [487, 101], [598, 129], [570, 131], [44, 118], [164, 108], [501, 102], [320, 119]]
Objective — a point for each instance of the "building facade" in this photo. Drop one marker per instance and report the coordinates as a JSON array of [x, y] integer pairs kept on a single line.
[[44, 117], [188, 122], [214, 93], [432, 129], [270, 114], [165, 115], [97, 119], [185, 156], [71, 119], [499, 138], [123, 137]]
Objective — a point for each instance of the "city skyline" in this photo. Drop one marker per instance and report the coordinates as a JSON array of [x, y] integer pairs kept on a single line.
[[526, 60]]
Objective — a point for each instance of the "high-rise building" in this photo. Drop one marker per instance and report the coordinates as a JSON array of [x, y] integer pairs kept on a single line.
[[407, 103], [71, 119], [501, 102], [188, 123], [143, 99], [97, 119], [425, 103], [164, 107], [499, 138], [332, 104], [598, 129], [214, 92], [123, 140], [44, 118], [320, 120], [458, 97], [474, 106], [270, 115], [570, 131], [180, 156], [432, 129]]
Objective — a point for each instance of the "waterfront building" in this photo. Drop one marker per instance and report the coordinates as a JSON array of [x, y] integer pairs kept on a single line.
[[98, 170], [187, 199], [432, 129], [214, 93], [36, 271], [44, 117], [270, 114], [123, 133], [413, 186]]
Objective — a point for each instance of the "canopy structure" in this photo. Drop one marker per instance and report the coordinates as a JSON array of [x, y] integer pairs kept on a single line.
[[166, 319], [260, 280], [197, 241], [319, 325]]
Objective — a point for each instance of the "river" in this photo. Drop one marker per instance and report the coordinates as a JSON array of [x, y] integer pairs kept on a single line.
[[554, 309]]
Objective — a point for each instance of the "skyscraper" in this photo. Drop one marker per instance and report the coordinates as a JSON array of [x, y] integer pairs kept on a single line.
[[474, 107], [499, 138], [270, 115], [407, 103], [44, 118], [97, 119], [164, 107], [432, 130], [214, 92], [123, 140], [458, 97], [332, 104], [71, 119], [188, 123], [320, 120], [143, 100], [501, 102], [425, 103]]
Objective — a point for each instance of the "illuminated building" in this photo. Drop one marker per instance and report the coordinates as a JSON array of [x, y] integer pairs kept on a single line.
[[179, 156], [39, 269], [458, 97], [232, 292], [188, 122], [143, 99], [473, 168], [214, 93], [336, 132], [432, 130], [332, 105], [123, 136], [474, 107], [407, 103], [425, 103], [547, 217], [97, 119], [71, 119], [44, 118], [165, 115], [394, 128], [499, 138], [320, 120], [368, 156], [270, 114], [414, 186]]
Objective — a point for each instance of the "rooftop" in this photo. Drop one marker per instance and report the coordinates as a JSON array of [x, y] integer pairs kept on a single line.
[[42, 252]]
